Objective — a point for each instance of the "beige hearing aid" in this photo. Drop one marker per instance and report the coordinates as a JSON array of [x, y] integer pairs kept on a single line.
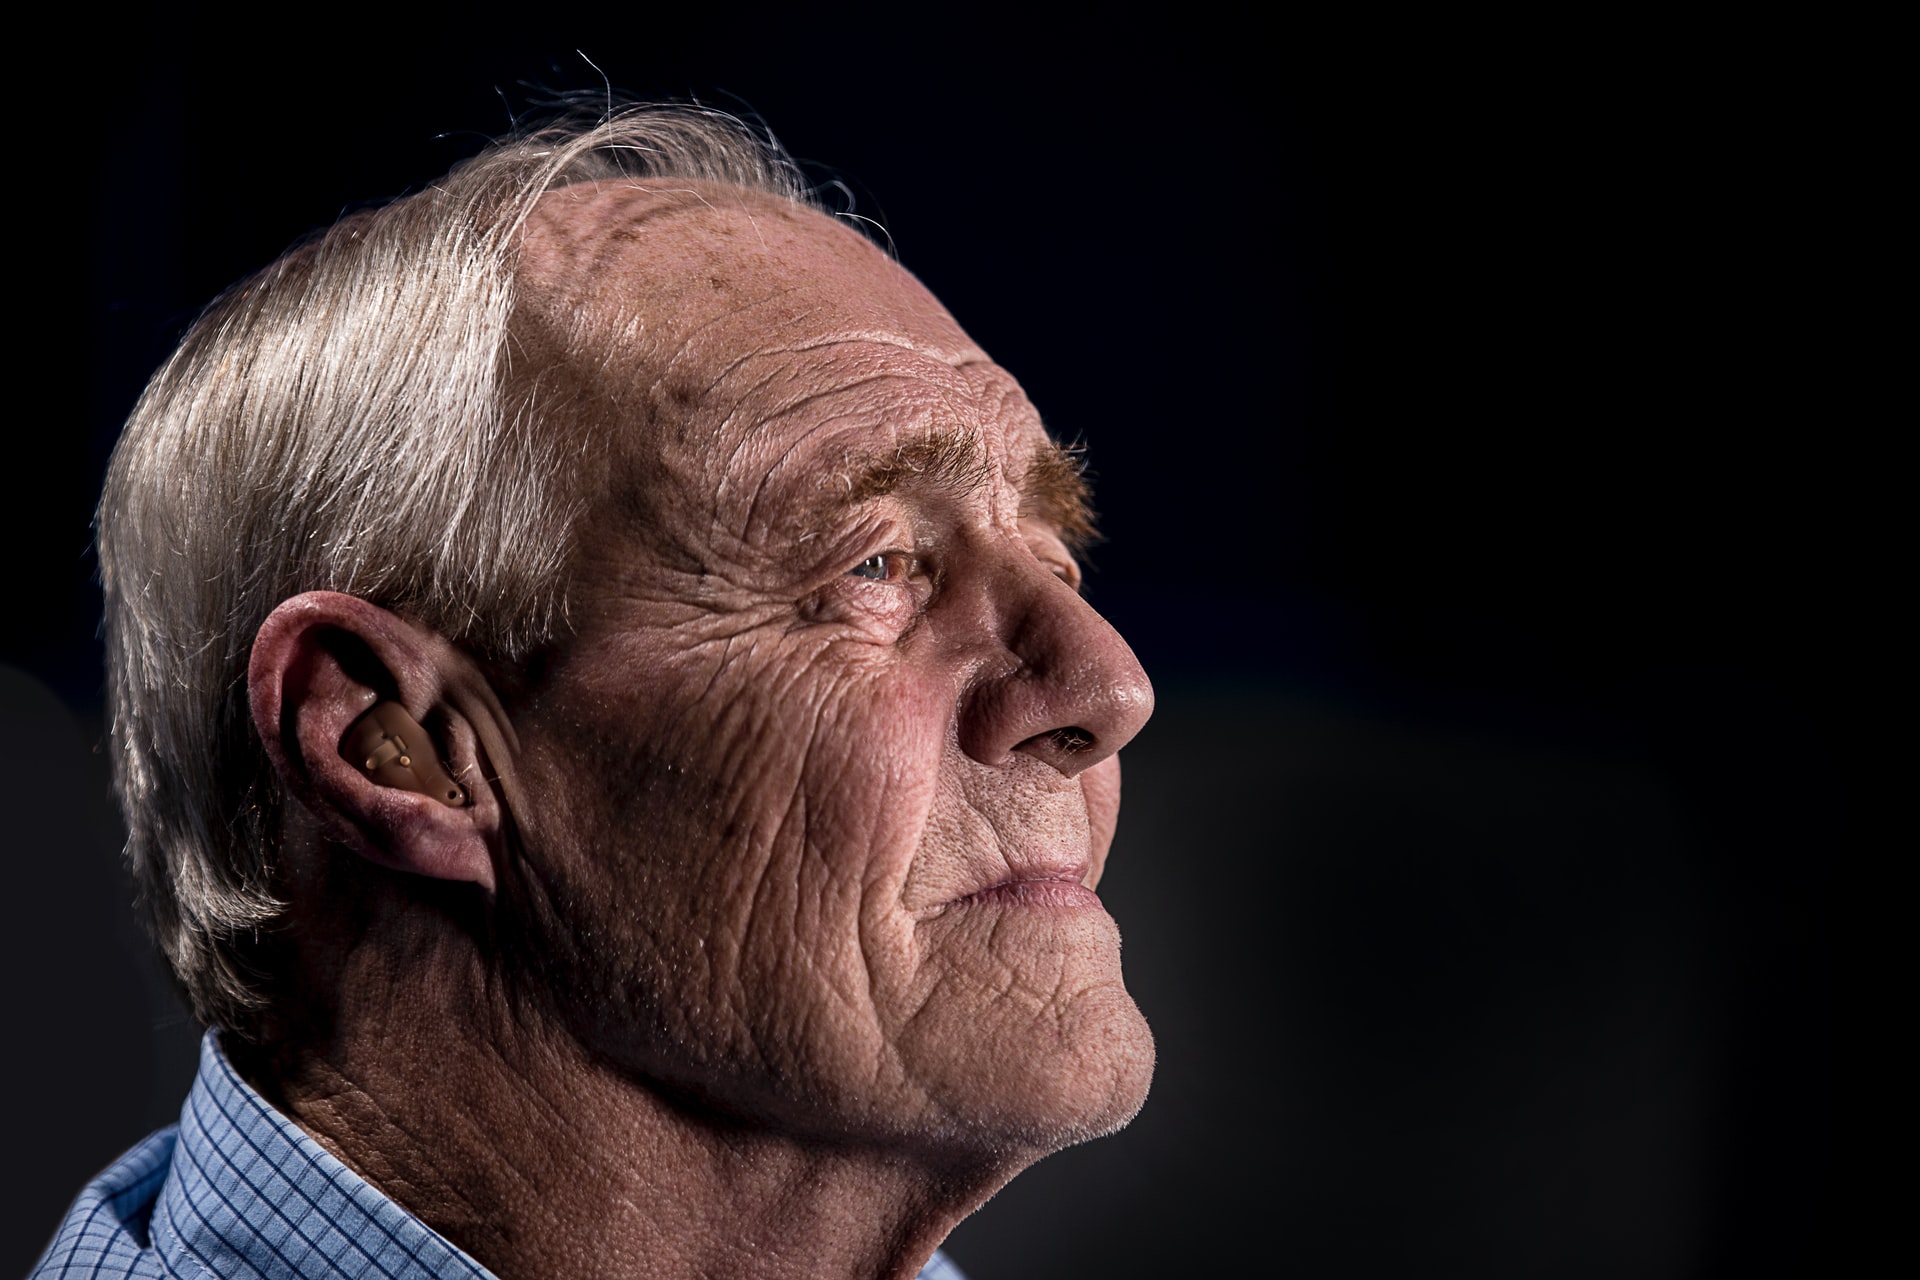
[[391, 748]]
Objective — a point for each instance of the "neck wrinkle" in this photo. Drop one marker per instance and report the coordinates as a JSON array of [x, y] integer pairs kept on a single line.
[[515, 1143]]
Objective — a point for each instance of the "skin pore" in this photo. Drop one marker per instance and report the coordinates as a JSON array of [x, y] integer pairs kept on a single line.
[[768, 944]]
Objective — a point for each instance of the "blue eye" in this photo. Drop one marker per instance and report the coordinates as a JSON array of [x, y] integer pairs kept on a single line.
[[887, 566]]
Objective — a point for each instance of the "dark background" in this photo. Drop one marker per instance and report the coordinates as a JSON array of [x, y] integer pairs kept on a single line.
[[1474, 411]]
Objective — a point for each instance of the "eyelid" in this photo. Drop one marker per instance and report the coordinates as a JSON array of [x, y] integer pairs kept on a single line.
[[1051, 549]]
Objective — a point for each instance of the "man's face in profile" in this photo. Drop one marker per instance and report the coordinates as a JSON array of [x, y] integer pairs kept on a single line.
[[818, 786]]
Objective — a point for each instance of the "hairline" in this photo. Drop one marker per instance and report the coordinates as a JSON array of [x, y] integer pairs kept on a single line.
[[190, 576]]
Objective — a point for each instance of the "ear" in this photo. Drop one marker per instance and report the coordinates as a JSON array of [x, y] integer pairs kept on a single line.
[[321, 663]]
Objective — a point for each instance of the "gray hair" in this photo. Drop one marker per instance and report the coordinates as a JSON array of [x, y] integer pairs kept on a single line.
[[342, 421]]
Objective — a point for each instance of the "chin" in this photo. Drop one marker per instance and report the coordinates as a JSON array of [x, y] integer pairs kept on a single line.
[[1101, 1087], [1052, 1087]]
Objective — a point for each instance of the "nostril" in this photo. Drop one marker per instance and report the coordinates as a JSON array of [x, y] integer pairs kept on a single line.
[[1071, 740]]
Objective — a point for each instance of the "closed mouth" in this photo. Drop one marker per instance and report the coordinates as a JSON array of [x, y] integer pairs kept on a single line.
[[1060, 890]]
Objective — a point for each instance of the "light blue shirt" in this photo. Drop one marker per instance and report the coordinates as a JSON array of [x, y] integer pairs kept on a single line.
[[236, 1190]]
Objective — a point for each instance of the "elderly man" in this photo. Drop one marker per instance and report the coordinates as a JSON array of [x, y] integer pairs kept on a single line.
[[612, 743]]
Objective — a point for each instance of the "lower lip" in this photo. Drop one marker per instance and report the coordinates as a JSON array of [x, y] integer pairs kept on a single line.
[[1037, 893]]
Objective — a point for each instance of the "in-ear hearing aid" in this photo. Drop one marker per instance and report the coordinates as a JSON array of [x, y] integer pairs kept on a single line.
[[390, 747]]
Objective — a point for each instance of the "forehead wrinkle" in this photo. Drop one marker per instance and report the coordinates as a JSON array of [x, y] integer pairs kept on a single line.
[[887, 338], [686, 348], [916, 396], [793, 367], [804, 348], [686, 351], [956, 459], [799, 444]]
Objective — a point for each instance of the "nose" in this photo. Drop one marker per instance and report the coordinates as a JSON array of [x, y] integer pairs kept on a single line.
[[1064, 688]]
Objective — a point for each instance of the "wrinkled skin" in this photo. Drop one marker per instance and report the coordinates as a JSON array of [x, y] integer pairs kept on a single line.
[[764, 941], [826, 771]]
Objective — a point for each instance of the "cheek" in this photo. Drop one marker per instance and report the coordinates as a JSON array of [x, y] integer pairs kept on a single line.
[[872, 765], [837, 869], [656, 799], [747, 835], [827, 957]]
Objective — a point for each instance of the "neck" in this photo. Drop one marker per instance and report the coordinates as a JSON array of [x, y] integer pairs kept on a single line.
[[536, 1158]]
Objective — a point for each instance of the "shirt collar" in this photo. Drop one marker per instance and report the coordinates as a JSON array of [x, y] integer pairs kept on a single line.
[[252, 1195]]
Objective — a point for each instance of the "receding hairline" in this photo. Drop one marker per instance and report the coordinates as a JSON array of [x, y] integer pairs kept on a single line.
[[612, 291], [673, 194], [350, 418], [595, 221]]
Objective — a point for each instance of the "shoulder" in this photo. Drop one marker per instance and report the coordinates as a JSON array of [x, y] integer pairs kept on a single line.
[[105, 1233], [940, 1267]]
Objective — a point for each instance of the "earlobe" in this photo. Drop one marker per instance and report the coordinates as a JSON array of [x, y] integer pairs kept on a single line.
[[392, 748]]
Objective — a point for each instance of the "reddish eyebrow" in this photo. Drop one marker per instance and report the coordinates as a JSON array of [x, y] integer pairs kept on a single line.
[[949, 459], [1053, 488]]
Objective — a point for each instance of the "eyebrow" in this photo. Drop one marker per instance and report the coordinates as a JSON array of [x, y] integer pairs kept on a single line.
[[1053, 488], [945, 460]]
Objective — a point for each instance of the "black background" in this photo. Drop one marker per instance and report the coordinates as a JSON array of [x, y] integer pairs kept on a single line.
[[1475, 417]]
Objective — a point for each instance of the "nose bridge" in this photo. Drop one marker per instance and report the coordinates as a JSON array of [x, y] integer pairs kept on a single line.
[[1055, 679]]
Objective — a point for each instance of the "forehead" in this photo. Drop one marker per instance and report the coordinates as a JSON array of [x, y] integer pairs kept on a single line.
[[767, 337], [685, 255]]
